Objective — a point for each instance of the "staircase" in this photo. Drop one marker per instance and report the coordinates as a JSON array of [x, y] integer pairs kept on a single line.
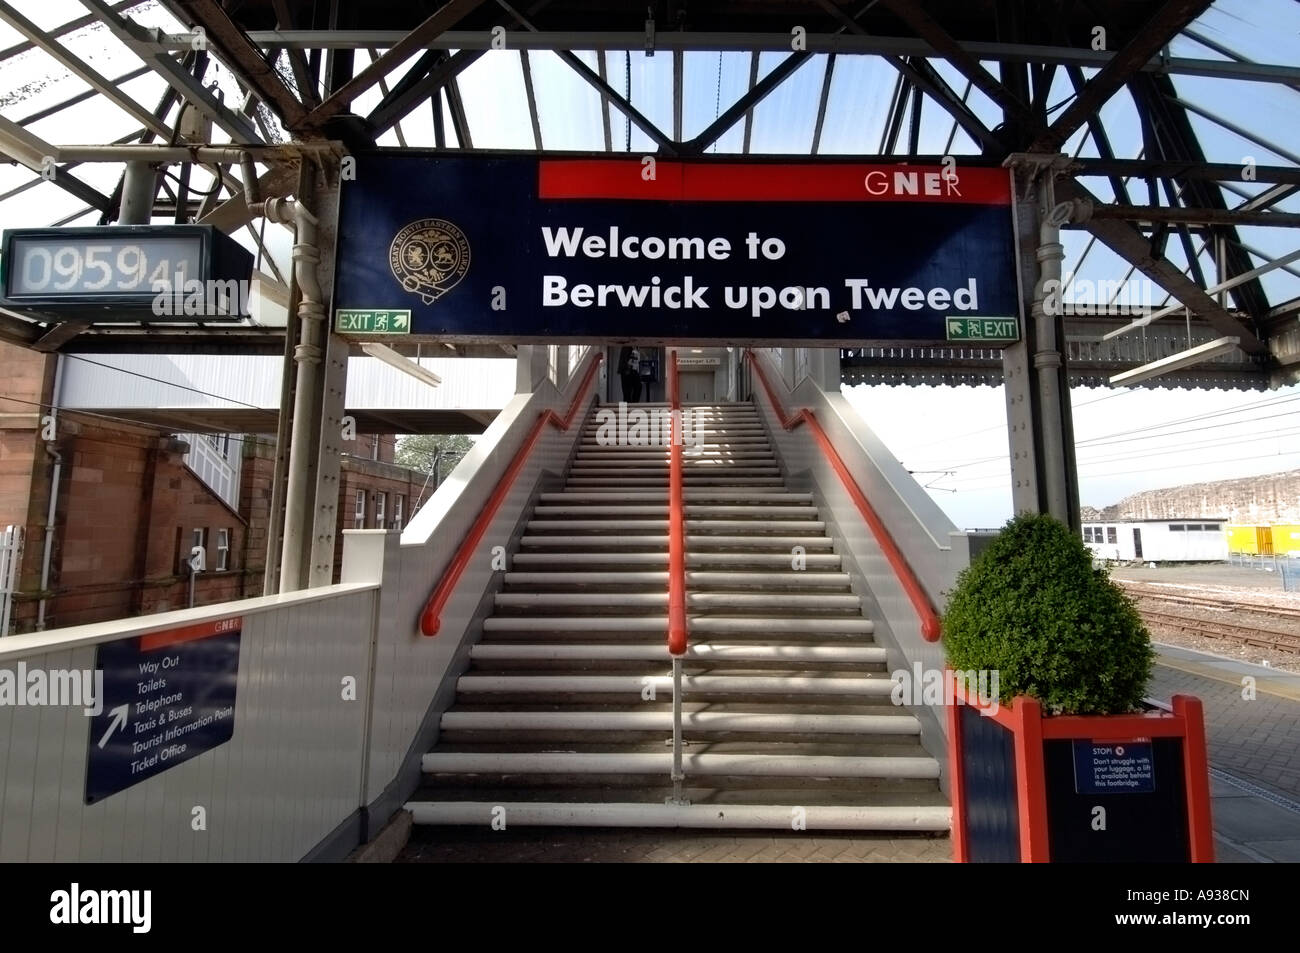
[[565, 715]]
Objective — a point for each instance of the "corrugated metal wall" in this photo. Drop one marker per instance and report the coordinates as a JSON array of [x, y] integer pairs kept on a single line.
[[288, 777], [303, 759]]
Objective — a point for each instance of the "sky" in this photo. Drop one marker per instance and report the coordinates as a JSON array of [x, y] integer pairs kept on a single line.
[[953, 438]]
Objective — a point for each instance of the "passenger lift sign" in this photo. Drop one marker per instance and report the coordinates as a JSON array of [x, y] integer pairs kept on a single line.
[[168, 697], [519, 249]]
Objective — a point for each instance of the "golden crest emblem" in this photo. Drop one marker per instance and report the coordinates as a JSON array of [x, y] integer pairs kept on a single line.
[[429, 257]]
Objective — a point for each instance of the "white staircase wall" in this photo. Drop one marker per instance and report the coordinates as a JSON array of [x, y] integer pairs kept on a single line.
[[411, 669], [932, 545]]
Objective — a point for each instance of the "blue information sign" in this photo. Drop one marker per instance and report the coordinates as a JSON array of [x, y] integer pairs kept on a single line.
[[168, 697], [525, 249], [1114, 767]]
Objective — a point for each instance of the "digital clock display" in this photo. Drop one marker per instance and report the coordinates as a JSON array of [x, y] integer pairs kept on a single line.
[[103, 266], [141, 272]]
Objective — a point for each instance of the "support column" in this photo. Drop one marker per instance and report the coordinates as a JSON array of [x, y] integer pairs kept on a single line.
[[1044, 478], [139, 185], [320, 362], [530, 367], [824, 368], [562, 368]]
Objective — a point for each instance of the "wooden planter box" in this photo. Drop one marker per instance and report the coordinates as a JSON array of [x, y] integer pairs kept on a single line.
[[1071, 788]]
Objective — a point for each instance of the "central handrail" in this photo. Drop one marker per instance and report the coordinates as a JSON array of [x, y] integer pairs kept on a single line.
[[931, 627], [431, 617], [676, 533], [676, 572]]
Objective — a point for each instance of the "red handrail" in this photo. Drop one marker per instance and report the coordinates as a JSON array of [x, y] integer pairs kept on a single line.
[[676, 534], [931, 628], [431, 617]]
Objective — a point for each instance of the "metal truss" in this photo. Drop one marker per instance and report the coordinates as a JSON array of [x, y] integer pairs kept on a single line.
[[296, 65]]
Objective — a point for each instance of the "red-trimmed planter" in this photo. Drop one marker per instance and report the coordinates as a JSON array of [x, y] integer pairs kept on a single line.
[[1078, 788]]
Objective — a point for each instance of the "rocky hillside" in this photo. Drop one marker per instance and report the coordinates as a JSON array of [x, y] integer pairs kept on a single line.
[[1272, 498]]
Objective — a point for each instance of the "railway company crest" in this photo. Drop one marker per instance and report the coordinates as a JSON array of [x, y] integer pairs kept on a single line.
[[429, 257]]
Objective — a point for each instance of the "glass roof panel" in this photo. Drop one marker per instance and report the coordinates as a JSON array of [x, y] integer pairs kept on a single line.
[[784, 120], [492, 89], [568, 106], [861, 88]]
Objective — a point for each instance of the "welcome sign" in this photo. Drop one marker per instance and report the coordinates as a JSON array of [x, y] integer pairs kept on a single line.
[[522, 249]]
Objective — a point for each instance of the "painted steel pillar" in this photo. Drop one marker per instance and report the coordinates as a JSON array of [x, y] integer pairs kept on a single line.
[[318, 433], [1044, 477], [824, 368], [530, 367], [139, 185]]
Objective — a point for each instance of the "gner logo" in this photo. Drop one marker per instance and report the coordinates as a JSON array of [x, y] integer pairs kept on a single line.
[[429, 257]]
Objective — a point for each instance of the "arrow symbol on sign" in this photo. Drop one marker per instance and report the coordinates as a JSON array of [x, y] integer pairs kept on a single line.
[[119, 721], [399, 321]]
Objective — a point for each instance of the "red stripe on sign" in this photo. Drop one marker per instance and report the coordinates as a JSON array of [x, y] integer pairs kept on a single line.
[[190, 633], [762, 182]]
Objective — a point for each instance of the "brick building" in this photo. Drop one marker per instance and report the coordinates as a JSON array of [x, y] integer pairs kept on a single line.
[[132, 501]]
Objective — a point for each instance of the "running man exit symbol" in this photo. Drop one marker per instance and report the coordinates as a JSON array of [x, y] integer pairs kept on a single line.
[[983, 329]]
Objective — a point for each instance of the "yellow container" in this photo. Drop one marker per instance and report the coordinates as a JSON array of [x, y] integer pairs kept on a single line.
[[1251, 540], [1286, 538]]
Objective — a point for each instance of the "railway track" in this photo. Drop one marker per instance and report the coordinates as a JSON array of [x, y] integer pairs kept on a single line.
[[1231, 631], [1137, 590]]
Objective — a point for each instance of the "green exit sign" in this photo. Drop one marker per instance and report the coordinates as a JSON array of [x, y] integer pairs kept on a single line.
[[983, 329], [372, 322]]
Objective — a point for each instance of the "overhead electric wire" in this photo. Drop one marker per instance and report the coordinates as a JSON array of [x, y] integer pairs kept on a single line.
[[1128, 436]]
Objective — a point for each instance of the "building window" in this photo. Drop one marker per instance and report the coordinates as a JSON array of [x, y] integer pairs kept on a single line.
[[1111, 536], [223, 549], [381, 504], [398, 502], [1087, 534], [360, 514], [374, 447], [1177, 527]]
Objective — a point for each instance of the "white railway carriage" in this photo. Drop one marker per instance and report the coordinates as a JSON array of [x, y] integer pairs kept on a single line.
[[1158, 541]]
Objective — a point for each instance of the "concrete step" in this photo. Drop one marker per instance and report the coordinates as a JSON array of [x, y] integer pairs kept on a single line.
[[757, 527], [693, 495], [761, 511], [793, 601], [695, 721], [729, 652], [695, 542], [701, 627], [689, 480], [554, 686], [817, 563], [695, 579], [696, 816], [695, 765]]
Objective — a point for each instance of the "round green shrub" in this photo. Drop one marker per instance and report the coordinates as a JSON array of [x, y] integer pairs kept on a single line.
[[1032, 608]]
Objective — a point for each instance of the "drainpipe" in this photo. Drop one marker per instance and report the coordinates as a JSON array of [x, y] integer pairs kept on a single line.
[[52, 451], [308, 354], [1047, 357]]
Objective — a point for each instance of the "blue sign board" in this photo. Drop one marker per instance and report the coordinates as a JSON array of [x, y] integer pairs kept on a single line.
[[546, 249], [168, 697], [1114, 767]]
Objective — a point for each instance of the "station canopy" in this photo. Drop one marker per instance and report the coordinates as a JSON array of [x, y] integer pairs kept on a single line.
[[1179, 118]]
